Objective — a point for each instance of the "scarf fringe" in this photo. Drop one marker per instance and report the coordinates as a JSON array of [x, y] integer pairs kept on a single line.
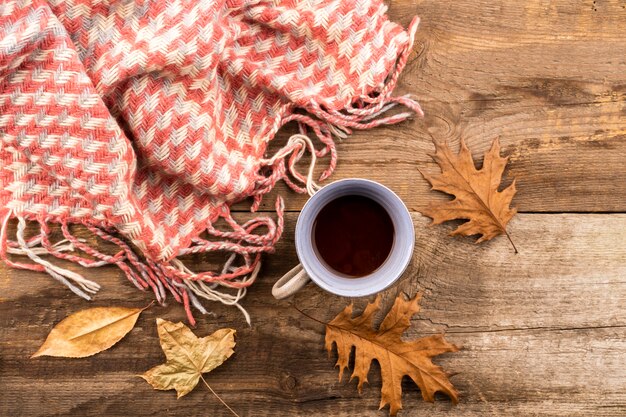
[[173, 276], [364, 112]]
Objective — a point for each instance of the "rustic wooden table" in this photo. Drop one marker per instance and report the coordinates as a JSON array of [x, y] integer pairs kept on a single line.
[[544, 331]]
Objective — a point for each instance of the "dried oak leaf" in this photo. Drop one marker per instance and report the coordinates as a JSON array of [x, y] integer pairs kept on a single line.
[[396, 357], [88, 332], [477, 198], [187, 356]]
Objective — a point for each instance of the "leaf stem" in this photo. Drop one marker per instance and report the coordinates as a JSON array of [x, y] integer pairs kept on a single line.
[[306, 315], [510, 240], [217, 396]]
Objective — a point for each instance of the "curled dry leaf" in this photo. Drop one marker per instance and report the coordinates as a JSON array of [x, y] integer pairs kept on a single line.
[[477, 198], [188, 356], [396, 357], [88, 332]]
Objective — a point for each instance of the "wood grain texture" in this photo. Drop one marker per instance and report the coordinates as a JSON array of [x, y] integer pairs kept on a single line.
[[546, 77], [543, 333]]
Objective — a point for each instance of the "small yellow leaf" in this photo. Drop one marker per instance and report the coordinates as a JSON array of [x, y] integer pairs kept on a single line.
[[187, 356], [88, 332]]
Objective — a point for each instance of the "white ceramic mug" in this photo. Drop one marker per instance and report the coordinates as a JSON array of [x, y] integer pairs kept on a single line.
[[311, 267]]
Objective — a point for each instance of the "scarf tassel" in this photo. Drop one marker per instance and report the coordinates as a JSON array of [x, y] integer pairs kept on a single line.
[[364, 112], [173, 276]]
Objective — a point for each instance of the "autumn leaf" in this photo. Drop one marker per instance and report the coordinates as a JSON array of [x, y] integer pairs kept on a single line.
[[188, 356], [396, 357], [88, 332], [477, 198]]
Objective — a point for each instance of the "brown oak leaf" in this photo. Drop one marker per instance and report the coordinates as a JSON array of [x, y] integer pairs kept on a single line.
[[477, 198], [396, 357]]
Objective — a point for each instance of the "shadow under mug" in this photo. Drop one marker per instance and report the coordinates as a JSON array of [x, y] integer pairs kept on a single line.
[[313, 268]]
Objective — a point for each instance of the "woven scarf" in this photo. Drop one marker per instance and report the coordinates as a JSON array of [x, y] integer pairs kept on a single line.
[[145, 120]]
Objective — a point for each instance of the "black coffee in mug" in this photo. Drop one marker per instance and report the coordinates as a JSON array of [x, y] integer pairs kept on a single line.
[[353, 235]]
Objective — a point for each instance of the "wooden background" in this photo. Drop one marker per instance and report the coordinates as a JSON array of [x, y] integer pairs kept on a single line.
[[544, 331]]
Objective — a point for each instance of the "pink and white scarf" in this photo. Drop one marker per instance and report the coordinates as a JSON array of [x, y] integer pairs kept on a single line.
[[145, 120]]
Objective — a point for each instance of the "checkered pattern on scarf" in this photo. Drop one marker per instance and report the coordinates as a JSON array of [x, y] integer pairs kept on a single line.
[[146, 120]]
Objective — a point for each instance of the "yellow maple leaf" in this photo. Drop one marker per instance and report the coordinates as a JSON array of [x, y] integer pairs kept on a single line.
[[188, 356]]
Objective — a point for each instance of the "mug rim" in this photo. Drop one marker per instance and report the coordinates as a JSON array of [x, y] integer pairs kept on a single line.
[[385, 275]]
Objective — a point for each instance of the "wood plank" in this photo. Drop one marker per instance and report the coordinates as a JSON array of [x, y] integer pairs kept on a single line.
[[548, 78], [564, 373], [544, 333]]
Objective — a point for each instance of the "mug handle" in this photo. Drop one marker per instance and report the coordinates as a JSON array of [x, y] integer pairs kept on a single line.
[[290, 283]]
